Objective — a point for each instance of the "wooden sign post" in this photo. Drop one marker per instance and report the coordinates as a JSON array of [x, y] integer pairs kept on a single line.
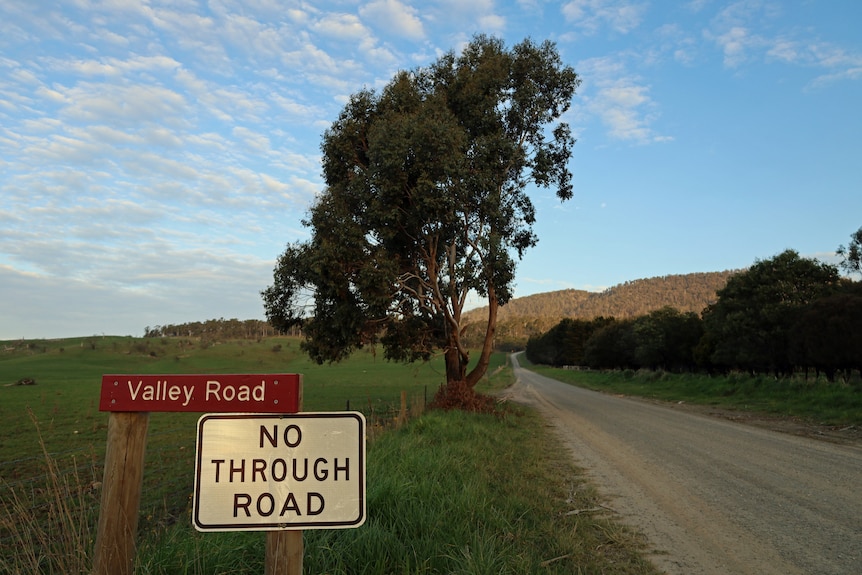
[[121, 493], [284, 549], [130, 399]]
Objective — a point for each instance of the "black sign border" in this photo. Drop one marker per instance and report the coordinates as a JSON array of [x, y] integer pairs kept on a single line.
[[282, 526]]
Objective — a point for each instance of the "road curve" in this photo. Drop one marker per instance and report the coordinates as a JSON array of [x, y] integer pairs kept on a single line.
[[713, 497]]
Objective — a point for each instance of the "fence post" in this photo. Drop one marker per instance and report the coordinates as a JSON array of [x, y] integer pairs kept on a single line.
[[121, 493], [402, 413]]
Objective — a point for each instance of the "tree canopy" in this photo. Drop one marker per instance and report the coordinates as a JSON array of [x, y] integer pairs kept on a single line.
[[851, 254], [749, 325], [426, 201]]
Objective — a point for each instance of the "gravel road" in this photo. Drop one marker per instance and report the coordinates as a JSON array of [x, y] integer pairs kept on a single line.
[[713, 497]]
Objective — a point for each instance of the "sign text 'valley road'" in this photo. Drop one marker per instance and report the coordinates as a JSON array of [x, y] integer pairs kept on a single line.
[[258, 393]]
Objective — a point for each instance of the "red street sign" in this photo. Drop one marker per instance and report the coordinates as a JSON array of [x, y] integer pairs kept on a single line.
[[253, 393]]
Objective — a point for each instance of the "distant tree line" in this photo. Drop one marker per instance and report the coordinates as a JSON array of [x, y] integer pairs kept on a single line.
[[215, 329], [780, 316]]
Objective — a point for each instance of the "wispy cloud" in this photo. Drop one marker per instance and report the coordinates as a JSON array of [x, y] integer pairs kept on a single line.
[[394, 17], [833, 62], [591, 15], [460, 19], [620, 100], [738, 31]]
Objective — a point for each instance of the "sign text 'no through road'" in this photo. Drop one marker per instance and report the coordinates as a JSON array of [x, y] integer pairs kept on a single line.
[[270, 472]]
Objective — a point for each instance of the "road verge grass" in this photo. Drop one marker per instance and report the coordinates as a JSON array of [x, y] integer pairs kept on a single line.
[[811, 399], [449, 492]]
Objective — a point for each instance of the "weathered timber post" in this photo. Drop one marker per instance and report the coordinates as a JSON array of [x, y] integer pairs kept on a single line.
[[121, 493], [402, 413], [284, 549]]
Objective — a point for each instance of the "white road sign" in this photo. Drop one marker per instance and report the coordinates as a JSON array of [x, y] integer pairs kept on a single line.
[[268, 472]]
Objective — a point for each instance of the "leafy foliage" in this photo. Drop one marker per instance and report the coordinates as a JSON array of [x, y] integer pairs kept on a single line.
[[666, 338], [564, 344], [827, 334], [749, 324], [425, 202], [852, 253]]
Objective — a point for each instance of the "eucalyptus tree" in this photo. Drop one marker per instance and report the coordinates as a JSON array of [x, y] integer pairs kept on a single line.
[[426, 201], [826, 335], [749, 325], [851, 254], [666, 339]]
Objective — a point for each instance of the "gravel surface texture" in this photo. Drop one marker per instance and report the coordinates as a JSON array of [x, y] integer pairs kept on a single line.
[[715, 493]]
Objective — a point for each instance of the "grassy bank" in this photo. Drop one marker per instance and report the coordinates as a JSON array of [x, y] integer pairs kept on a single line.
[[448, 493], [812, 399]]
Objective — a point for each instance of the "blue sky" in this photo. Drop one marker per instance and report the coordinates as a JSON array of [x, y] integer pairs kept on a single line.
[[156, 156]]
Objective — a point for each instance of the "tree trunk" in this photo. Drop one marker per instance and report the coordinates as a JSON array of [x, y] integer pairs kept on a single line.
[[488, 344], [456, 365], [458, 392]]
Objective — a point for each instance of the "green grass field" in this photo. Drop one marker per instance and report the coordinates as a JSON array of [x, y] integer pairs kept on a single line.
[[447, 493], [64, 401]]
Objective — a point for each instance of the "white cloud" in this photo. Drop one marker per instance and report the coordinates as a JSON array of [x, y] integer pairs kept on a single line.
[[394, 17], [51, 95], [114, 66], [65, 150], [341, 26], [225, 103], [492, 23], [785, 50], [620, 100], [122, 105], [674, 40], [148, 291], [22, 76], [838, 63], [259, 40], [736, 44], [733, 32], [254, 140], [590, 15], [295, 108], [464, 19]]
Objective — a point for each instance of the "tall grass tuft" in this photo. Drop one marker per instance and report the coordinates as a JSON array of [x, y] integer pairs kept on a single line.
[[49, 523]]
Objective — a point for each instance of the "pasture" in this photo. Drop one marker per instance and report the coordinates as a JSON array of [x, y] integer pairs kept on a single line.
[[63, 403]]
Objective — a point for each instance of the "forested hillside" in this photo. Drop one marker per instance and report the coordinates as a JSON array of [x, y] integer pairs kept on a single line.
[[521, 317], [535, 314]]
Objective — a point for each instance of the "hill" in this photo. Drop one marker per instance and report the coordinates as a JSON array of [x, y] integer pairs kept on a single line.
[[535, 314]]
